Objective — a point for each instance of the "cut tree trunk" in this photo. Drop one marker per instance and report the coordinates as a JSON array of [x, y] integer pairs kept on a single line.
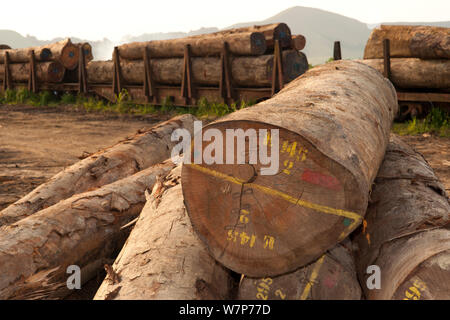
[[104, 167], [415, 73], [298, 42], [245, 71], [84, 230], [271, 32], [63, 51], [87, 50], [248, 43], [50, 71], [163, 257], [423, 42], [406, 228], [331, 277], [333, 124]]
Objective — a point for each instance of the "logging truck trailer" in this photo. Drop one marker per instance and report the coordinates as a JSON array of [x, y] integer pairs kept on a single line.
[[187, 94]]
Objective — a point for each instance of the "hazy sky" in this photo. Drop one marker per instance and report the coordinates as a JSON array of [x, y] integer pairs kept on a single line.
[[95, 19]]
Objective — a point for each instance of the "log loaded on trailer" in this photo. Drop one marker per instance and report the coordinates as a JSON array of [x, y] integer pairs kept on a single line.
[[244, 64]]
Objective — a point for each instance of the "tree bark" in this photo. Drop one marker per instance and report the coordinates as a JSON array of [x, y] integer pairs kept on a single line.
[[423, 42], [271, 32], [63, 51], [45, 71], [331, 277], [104, 167], [298, 42], [415, 73], [84, 230], [248, 43], [406, 228], [334, 124], [163, 257], [4, 46], [246, 71]]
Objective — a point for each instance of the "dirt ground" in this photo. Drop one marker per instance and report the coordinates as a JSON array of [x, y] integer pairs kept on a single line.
[[436, 151], [38, 142]]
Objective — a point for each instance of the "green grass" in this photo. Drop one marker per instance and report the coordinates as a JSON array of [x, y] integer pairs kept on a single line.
[[123, 104], [436, 122]]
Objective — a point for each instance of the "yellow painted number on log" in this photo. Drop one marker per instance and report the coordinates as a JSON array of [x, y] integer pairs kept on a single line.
[[413, 292], [263, 289]]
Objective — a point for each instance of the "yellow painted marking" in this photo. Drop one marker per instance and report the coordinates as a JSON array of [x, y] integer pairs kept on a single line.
[[312, 278], [303, 203], [269, 242], [294, 146]]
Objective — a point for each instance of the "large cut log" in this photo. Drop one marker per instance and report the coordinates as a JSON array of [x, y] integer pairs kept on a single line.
[[406, 231], [415, 73], [245, 71], [331, 277], [163, 257], [84, 230], [50, 71], [104, 167], [248, 43], [423, 42], [333, 125], [271, 32], [63, 51]]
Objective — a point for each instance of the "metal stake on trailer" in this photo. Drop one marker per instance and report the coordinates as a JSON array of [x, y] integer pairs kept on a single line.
[[387, 58], [32, 80], [225, 85], [82, 75], [337, 54], [7, 81], [149, 86], [277, 72], [117, 76], [187, 83]]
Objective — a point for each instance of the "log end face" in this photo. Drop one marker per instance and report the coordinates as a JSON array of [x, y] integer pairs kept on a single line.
[[265, 225], [69, 56], [55, 72], [258, 43]]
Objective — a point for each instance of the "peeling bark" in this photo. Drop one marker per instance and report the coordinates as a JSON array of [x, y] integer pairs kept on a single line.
[[83, 230], [104, 167], [163, 257]]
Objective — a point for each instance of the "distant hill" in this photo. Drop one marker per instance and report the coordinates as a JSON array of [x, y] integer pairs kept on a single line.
[[321, 28]]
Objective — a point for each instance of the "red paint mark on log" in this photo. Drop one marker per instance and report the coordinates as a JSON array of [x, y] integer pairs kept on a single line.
[[320, 179]]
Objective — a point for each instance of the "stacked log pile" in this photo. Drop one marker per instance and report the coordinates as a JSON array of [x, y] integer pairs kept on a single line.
[[251, 60], [51, 62], [420, 55], [197, 228]]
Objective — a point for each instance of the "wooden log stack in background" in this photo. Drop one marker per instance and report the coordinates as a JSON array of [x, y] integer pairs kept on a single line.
[[334, 124], [245, 71], [246, 43], [64, 51], [406, 232], [420, 55]]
